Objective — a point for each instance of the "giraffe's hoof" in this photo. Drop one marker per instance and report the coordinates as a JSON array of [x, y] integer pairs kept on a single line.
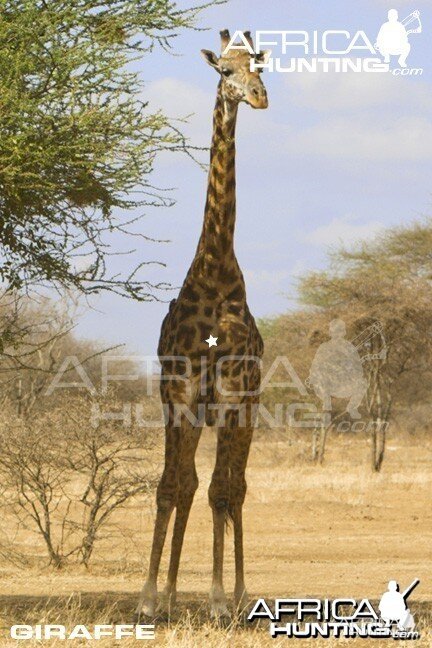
[[222, 620], [168, 599], [219, 611], [241, 601], [147, 610], [147, 602]]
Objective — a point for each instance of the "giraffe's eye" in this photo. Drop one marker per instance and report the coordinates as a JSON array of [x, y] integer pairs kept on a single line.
[[226, 72]]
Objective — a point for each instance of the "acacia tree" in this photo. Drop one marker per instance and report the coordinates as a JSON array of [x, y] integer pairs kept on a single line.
[[78, 142], [387, 282], [288, 339], [296, 336], [382, 290]]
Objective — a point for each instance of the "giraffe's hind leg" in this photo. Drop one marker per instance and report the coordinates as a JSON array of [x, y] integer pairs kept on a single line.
[[219, 503], [188, 483], [239, 453]]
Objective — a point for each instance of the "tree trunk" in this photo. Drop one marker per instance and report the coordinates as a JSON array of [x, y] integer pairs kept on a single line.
[[315, 436], [373, 446], [323, 438], [380, 409], [319, 438], [378, 442], [54, 556]]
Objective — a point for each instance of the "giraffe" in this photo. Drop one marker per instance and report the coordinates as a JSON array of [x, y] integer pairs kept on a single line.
[[212, 301]]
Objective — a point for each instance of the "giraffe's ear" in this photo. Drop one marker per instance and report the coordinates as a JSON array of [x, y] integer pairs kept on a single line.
[[263, 57], [211, 58]]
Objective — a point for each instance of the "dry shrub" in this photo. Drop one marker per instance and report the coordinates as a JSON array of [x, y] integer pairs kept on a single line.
[[65, 472]]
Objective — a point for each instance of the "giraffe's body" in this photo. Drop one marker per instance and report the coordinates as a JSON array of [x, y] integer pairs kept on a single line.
[[212, 300]]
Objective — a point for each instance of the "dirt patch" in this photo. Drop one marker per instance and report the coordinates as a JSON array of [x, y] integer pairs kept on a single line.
[[312, 531]]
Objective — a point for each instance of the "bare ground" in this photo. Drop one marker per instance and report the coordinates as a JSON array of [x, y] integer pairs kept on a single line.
[[328, 531]]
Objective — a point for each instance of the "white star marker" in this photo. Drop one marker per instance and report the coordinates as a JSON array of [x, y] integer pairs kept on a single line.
[[211, 341]]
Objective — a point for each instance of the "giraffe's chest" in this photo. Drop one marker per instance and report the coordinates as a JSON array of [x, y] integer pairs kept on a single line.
[[232, 327], [226, 317], [189, 325]]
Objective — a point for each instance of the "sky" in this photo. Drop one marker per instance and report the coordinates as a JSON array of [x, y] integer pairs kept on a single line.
[[335, 158]]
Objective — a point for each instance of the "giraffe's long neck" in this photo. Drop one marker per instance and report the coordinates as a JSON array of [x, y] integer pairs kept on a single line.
[[217, 238]]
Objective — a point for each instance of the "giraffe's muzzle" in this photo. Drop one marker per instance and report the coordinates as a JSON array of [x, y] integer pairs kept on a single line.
[[256, 96]]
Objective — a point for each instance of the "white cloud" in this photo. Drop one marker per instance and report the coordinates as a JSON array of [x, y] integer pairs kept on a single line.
[[345, 229], [261, 246], [352, 91], [179, 99], [268, 280], [376, 139], [396, 128], [377, 117]]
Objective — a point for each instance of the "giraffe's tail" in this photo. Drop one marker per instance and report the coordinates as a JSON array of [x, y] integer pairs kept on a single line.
[[229, 515], [210, 417], [229, 520]]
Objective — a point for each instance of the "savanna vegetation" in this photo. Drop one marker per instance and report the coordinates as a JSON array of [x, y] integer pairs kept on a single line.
[[77, 446], [381, 289], [77, 153], [80, 458], [79, 141]]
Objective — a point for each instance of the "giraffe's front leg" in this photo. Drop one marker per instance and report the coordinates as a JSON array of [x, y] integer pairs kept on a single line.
[[241, 441], [218, 599], [219, 502], [241, 598]]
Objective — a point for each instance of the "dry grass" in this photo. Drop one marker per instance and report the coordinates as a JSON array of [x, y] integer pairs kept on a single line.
[[335, 530]]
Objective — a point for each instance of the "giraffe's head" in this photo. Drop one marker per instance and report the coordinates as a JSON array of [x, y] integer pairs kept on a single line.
[[238, 83]]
